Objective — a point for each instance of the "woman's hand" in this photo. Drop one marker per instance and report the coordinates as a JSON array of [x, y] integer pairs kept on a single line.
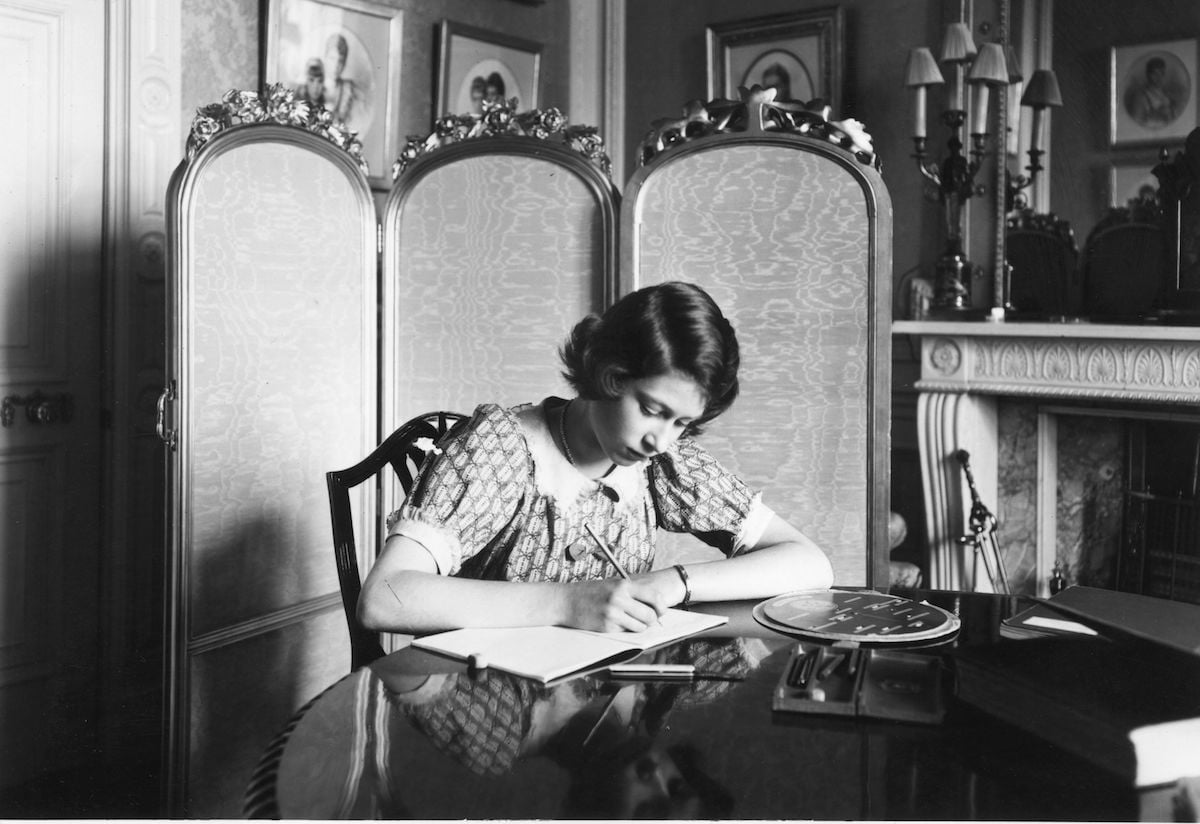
[[404, 592], [616, 605]]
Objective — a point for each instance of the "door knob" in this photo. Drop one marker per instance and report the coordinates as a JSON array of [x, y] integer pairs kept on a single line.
[[39, 408]]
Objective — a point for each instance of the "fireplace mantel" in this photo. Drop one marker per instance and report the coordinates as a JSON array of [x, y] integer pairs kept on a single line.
[[967, 365], [1069, 361]]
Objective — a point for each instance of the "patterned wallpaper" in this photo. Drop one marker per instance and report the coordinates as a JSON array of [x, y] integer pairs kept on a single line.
[[220, 51]]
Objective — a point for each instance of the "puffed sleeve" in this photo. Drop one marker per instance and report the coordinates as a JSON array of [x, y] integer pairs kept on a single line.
[[468, 490], [693, 493], [482, 724]]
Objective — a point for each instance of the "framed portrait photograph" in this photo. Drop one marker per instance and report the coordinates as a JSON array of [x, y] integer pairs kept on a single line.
[[475, 65], [343, 55], [1135, 181], [798, 54], [1153, 92]]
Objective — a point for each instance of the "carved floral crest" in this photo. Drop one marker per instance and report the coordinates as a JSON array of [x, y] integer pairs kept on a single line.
[[278, 105], [501, 119], [757, 110]]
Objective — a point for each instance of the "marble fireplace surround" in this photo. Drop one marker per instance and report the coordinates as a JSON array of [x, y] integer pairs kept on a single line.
[[968, 366]]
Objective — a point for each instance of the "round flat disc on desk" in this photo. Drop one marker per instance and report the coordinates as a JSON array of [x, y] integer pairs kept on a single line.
[[860, 618]]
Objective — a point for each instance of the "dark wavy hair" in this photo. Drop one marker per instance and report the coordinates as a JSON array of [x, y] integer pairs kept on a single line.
[[670, 327]]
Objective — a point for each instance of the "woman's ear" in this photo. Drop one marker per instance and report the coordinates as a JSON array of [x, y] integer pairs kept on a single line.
[[611, 383]]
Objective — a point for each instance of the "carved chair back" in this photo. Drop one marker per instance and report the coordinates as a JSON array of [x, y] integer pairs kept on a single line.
[[1124, 260], [404, 451], [1041, 250]]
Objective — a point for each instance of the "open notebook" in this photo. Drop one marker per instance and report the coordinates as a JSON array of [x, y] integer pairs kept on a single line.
[[547, 653]]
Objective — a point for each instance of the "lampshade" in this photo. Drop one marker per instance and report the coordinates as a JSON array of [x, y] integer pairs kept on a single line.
[[958, 46], [922, 69], [989, 66], [1014, 65], [1042, 90]]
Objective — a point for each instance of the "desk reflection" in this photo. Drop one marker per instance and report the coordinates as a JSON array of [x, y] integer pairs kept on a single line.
[[595, 745], [414, 735]]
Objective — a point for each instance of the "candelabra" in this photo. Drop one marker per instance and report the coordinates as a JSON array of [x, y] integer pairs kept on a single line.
[[954, 176], [1041, 93]]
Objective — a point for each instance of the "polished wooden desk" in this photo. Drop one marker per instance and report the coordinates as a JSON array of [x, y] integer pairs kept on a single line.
[[416, 736]]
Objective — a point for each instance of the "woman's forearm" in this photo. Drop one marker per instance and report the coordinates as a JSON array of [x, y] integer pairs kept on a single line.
[[405, 593], [765, 572], [408, 600]]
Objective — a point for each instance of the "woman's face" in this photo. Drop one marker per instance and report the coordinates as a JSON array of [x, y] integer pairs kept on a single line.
[[649, 416], [653, 787]]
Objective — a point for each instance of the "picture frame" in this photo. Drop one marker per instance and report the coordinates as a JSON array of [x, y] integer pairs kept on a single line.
[[1153, 92], [802, 50], [1131, 181], [475, 64], [361, 41]]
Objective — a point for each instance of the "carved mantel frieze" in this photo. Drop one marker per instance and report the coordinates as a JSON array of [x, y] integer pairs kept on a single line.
[[1085, 362]]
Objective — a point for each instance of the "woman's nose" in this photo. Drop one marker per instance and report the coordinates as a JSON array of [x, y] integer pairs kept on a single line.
[[658, 439], [650, 443]]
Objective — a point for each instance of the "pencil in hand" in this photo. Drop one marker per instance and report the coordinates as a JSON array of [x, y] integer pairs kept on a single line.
[[612, 559]]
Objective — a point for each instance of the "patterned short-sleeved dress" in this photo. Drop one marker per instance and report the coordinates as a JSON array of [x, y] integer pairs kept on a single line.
[[499, 501]]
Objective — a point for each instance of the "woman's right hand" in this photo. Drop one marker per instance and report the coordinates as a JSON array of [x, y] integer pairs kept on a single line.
[[614, 604]]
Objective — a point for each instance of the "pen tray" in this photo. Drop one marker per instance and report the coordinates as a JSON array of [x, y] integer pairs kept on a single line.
[[869, 683]]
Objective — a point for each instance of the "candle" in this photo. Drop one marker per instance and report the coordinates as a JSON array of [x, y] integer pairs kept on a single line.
[[919, 106], [979, 111], [956, 89], [1036, 127]]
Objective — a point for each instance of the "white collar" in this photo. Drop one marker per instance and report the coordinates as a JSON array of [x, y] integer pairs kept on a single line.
[[558, 478]]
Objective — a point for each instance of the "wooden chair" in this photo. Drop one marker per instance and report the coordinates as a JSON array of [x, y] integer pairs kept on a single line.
[[1041, 250], [404, 450]]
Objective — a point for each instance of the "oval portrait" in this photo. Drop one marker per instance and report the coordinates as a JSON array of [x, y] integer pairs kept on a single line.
[[1157, 87]]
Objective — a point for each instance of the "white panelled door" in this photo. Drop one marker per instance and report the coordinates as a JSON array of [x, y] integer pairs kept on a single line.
[[52, 56]]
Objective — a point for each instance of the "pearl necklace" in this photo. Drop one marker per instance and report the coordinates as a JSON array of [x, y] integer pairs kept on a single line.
[[562, 432]]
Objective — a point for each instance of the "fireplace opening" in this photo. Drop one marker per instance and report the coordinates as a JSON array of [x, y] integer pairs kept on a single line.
[[1110, 496], [1160, 538]]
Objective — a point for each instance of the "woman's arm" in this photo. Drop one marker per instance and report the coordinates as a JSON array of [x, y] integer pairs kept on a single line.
[[783, 560], [405, 593]]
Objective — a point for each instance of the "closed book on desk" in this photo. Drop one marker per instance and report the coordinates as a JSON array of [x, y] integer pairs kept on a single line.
[[1130, 708], [548, 653], [1125, 614]]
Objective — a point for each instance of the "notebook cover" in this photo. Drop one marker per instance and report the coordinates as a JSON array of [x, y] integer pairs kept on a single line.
[[1173, 623]]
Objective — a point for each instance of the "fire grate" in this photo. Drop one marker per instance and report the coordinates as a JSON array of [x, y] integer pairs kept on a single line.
[[1160, 546]]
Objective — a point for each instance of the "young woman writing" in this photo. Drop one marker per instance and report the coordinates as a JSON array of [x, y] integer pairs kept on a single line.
[[498, 530]]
